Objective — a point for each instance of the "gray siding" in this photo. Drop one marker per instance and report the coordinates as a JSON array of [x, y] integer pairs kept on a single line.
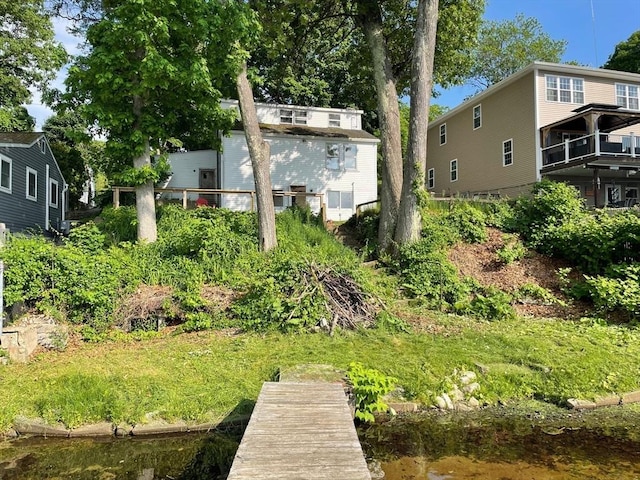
[[19, 213]]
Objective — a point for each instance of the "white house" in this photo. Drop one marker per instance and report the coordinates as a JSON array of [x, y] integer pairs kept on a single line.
[[322, 154]]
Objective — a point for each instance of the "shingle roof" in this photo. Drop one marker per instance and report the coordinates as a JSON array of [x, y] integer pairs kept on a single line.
[[19, 138], [307, 131]]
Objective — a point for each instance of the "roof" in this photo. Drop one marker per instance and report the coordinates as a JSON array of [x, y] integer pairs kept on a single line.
[[307, 131], [560, 68], [24, 139], [612, 118]]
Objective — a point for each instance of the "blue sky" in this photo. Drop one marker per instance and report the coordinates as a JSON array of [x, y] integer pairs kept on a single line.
[[590, 40]]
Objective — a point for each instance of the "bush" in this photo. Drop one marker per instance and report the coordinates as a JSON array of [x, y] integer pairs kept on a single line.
[[512, 250], [550, 204], [488, 303], [119, 224], [369, 388], [618, 292], [468, 221]]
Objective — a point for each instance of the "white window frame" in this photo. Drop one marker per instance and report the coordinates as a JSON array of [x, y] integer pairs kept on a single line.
[[570, 84], [431, 178], [3, 160], [286, 116], [507, 155], [342, 157], [478, 117], [335, 120], [300, 117], [453, 170], [443, 134], [342, 196], [31, 171], [625, 99], [53, 201]]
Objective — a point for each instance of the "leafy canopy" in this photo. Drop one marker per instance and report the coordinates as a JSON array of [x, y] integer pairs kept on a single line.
[[626, 56], [29, 57], [508, 46]]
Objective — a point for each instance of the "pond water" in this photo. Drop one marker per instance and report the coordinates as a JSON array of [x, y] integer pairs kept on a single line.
[[449, 447]]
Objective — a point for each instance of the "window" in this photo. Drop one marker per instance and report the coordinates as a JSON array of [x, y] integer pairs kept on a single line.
[[341, 157], [507, 152], [627, 96], [565, 89], [334, 120], [286, 116], [333, 156], [477, 117], [278, 198], [453, 170], [53, 193], [443, 134], [5, 174], [43, 145], [32, 184], [350, 157], [290, 117], [341, 200], [431, 178]]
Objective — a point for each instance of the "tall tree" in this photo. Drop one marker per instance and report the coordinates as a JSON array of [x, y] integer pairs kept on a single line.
[[149, 61], [29, 57], [408, 228], [626, 56], [505, 47]]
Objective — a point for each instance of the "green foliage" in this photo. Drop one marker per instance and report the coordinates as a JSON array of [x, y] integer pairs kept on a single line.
[[119, 224], [625, 57], [369, 388], [512, 250], [468, 221], [198, 321], [549, 205], [31, 59], [507, 46], [535, 291], [488, 303], [86, 237], [618, 292]]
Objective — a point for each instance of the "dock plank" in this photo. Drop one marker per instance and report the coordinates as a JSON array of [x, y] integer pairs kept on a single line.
[[300, 431]]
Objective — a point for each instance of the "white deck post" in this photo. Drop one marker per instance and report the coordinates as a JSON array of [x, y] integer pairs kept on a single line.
[[597, 141], [633, 145]]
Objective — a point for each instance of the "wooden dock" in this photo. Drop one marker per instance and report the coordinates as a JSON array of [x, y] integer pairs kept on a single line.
[[300, 431]]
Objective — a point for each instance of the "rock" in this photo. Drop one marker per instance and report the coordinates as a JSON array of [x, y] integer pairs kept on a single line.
[[123, 430], [375, 469], [442, 405], [447, 401], [103, 429], [632, 397], [608, 401], [456, 394], [473, 402], [463, 407], [159, 428], [203, 427], [467, 377], [580, 404], [472, 387], [37, 426], [483, 368], [11, 433], [19, 342], [403, 407]]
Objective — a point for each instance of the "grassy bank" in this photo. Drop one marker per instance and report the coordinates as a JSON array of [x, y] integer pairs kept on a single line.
[[206, 376]]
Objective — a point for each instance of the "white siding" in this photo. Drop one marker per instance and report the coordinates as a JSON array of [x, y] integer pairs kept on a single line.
[[298, 162], [185, 170]]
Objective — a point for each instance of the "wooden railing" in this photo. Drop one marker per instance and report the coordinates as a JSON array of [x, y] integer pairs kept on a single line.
[[185, 192]]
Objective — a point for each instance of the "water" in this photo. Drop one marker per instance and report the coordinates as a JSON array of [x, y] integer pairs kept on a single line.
[[485, 445]]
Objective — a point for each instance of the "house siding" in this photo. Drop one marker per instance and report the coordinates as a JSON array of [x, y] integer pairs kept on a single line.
[[16, 211], [507, 114], [299, 162]]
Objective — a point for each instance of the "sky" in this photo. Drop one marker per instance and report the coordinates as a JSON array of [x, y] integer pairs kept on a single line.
[[592, 29]]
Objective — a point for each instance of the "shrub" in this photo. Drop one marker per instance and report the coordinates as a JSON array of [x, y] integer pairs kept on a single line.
[[620, 291], [550, 204], [87, 238], [488, 303], [119, 224], [512, 250], [468, 221], [369, 388]]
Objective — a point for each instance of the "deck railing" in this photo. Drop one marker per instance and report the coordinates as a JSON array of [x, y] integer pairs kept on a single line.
[[607, 144]]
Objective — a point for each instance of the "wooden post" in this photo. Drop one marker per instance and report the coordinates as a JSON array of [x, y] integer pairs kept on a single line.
[[116, 197], [253, 200], [184, 199]]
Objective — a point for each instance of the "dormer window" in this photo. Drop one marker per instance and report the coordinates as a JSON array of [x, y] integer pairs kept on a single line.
[[334, 120], [291, 117]]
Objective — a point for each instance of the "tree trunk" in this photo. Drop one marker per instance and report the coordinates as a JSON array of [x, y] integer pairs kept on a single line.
[[145, 199], [370, 19], [409, 222], [260, 161]]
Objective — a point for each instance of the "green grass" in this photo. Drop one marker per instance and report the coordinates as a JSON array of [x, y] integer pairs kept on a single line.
[[206, 376]]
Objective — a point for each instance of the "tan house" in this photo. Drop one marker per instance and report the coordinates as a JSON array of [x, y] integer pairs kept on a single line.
[[567, 123]]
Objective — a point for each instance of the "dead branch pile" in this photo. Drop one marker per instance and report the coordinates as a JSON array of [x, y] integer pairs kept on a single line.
[[348, 306], [147, 302]]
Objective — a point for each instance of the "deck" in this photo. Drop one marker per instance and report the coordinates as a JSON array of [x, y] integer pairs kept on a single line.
[[300, 431]]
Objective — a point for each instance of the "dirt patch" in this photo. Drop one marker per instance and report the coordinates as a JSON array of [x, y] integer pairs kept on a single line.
[[480, 262]]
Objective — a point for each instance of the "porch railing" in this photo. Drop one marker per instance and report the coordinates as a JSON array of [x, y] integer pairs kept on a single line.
[[607, 144]]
